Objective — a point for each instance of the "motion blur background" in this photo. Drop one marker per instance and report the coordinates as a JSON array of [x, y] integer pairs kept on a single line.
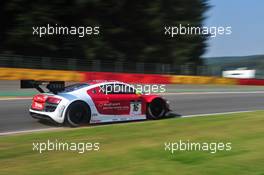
[[132, 41], [131, 36]]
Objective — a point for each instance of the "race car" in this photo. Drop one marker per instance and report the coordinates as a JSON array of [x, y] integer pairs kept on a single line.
[[93, 102]]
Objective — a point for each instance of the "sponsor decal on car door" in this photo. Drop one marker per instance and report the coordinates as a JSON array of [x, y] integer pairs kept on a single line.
[[101, 101], [128, 101]]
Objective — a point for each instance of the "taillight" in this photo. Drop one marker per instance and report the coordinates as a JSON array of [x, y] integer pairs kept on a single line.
[[40, 98], [53, 100]]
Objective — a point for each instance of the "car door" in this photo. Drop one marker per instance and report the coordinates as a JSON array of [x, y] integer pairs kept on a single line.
[[101, 101], [125, 100]]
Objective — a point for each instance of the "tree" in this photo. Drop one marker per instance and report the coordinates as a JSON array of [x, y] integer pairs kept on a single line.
[[129, 30]]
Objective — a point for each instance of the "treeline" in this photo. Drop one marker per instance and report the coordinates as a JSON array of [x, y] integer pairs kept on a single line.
[[129, 30]]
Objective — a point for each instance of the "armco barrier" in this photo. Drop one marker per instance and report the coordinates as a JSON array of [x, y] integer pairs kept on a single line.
[[35, 74], [157, 79], [256, 82], [129, 78], [177, 79], [60, 75]]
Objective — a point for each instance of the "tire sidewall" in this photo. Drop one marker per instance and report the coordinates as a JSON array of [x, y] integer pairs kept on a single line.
[[150, 114], [75, 104]]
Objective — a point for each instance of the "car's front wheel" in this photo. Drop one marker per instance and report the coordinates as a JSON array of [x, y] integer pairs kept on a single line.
[[78, 113], [156, 109]]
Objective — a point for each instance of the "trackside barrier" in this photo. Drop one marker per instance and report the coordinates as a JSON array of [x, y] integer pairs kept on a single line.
[[177, 79], [60, 75], [256, 82], [35, 74], [129, 78], [157, 79]]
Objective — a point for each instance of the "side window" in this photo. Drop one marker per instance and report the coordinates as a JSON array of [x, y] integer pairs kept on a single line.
[[130, 90], [117, 89], [110, 89], [124, 89], [107, 89], [94, 91]]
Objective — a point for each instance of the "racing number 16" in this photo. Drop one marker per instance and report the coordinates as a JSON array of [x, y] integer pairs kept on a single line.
[[135, 108]]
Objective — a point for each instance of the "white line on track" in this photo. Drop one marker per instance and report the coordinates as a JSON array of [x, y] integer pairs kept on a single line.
[[64, 128], [219, 113], [14, 98], [30, 130]]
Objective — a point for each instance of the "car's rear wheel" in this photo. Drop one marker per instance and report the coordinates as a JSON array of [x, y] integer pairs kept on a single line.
[[156, 109], [78, 113]]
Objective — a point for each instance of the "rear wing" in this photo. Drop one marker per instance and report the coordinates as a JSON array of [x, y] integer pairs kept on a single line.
[[52, 86]]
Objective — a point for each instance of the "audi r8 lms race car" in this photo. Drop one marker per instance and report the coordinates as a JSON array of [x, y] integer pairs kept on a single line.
[[93, 102]]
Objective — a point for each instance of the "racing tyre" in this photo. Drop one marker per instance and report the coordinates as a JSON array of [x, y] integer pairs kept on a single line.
[[78, 113], [156, 109]]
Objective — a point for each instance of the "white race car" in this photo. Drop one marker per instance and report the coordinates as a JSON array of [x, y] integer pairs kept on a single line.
[[94, 102]]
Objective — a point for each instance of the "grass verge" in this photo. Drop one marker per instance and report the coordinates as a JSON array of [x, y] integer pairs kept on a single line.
[[138, 148]]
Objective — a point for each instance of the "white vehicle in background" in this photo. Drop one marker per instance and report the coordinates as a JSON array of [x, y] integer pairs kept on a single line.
[[239, 73]]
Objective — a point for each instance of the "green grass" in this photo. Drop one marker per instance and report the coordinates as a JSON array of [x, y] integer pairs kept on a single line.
[[138, 148], [16, 94]]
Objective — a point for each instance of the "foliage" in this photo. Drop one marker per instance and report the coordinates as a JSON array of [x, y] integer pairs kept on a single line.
[[129, 30]]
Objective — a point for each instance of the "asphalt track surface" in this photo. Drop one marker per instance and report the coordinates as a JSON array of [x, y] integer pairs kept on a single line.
[[14, 115]]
